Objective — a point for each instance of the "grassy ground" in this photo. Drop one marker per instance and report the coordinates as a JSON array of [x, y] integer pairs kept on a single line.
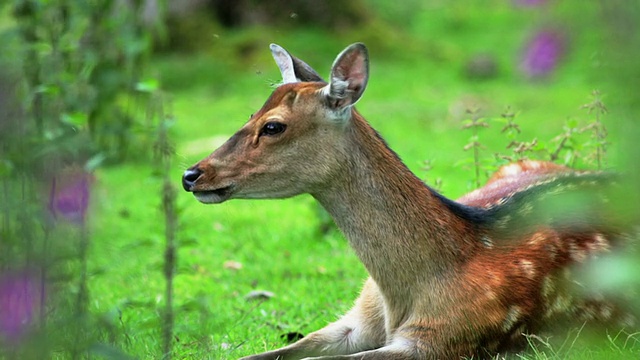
[[416, 99]]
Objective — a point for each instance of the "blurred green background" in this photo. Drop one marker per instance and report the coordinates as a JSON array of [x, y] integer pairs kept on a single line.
[[103, 104]]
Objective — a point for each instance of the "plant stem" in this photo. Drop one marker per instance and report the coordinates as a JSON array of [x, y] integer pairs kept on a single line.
[[165, 153], [83, 295], [170, 260], [476, 158]]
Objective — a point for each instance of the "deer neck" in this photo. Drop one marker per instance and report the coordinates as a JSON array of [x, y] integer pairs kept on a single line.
[[400, 230]]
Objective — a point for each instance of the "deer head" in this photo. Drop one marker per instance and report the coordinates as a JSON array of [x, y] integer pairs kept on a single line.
[[295, 143]]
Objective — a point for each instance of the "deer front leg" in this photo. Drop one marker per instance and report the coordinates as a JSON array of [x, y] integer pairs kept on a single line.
[[362, 328], [397, 350]]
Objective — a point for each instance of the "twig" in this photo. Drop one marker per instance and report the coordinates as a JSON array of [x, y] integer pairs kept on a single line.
[[475, 123], [164, 154]]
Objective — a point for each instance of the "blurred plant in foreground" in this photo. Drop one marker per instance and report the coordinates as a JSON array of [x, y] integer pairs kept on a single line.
[[79, 59], [69, 195], [160, 118], [70, 69], [21, 294]]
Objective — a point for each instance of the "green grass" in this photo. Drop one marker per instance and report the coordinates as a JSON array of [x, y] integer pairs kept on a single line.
[[414, 99]]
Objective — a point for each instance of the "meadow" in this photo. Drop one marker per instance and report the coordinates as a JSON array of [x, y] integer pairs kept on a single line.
[[421, 93]]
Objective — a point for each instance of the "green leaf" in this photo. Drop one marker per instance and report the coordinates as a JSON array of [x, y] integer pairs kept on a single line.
[[568, 157], [6, 167], [540, 146], [77, 119], [148, 86], [95, 162], [47, 89], [572, 123]]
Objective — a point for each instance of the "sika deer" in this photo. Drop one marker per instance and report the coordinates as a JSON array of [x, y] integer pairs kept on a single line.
[[448, 279]]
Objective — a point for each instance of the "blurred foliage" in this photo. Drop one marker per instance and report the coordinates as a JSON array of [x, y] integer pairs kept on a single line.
[[80, 60], [197, 26], [67, 97], [335, 14]]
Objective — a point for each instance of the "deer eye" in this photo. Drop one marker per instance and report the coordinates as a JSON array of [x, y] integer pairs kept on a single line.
[[272, 128]]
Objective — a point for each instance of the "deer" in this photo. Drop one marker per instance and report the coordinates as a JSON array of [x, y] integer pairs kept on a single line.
[[447, 279]]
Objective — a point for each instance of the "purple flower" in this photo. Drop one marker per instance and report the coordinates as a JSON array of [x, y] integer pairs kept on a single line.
[[542, 53], [69, 195], [20, 295]]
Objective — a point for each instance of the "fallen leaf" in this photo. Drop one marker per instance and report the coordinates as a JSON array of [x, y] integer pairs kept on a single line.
[[218, 226], [232, 265], [259, 295]]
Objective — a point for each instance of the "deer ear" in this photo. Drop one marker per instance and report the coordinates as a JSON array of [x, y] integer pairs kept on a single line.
[[349, 76], [292, 68]]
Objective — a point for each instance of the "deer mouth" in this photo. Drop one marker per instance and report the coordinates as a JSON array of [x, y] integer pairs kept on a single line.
[[215, 196]]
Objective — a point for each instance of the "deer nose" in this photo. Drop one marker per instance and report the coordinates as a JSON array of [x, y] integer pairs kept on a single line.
[[189, 178]]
